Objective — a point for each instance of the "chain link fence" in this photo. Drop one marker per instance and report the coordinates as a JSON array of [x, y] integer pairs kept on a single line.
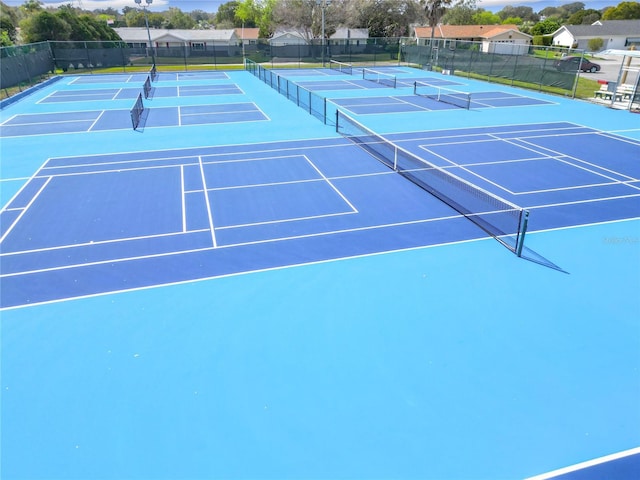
[[24, 66], [508, 63], [500, 62]]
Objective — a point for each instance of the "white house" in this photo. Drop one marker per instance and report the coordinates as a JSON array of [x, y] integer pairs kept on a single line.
[[180, 41], [283, 38], [354, 37], [616, 34]]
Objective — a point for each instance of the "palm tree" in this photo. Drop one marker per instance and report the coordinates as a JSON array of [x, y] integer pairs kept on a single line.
[[434, 11]]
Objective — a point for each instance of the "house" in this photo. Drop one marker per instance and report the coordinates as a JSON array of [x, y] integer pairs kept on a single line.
[[349, 39], [287, 44], [506, 39], [178, 42], [248, 38], [283, 38], [616, 34]]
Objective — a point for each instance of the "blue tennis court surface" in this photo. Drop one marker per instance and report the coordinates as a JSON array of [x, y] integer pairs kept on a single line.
[[235, 290]]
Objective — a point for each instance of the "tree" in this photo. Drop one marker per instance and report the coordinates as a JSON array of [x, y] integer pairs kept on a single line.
[[550, 12], [31, 6], [44, 26], [460, 15], [247, 13], [78, 29], [624, 11], [65, 24], [265, 22], [5, 41], [571, 8], [8, 22], [486, 18], [546, 27], [435, 10], [227, 13], [388, 18], [584, 17], [595, 44], [525, 13], [297, 15], [176, 18], [512, 21]]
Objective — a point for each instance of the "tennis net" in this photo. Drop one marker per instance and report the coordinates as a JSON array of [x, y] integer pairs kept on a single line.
[[341, 67], [443, 94], [153, 73], [379, 77], [499, 218], [146, 88], [136, 112]]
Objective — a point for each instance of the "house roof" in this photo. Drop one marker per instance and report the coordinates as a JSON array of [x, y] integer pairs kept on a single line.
[[604, 28], [139, 34], [248, 33], [466, 31], [357, 33], [287, 34]]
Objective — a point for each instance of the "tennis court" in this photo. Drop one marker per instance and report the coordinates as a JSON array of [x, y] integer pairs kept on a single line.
[[241, 289]]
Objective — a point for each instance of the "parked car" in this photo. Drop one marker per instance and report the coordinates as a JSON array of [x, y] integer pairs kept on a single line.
[[567, 64]]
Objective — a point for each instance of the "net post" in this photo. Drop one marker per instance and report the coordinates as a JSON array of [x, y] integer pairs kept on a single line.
[[337, 117], [395, 158], [523, 231], [324, 107]]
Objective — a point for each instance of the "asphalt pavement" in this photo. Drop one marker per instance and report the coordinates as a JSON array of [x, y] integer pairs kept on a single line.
[[610, 68]]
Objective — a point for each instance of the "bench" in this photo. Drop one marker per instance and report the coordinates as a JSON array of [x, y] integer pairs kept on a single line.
[[604, 90], [623, 92]]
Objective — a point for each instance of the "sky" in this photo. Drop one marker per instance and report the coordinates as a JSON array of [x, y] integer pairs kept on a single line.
[[212, 5]]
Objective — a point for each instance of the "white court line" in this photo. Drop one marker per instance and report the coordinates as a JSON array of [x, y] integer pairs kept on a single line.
[[24, 210], [299, 144], [246, 272], [112, 170], [353, 208], [587, 464], [286, 220], [559, 156], [340, 177], [9, 119], [255, 242], [261, 185], [51, 123], [94, 243], [218, 113], [579, 202], [466, 169], [183, 199], [121, 162], [96, 121], [207, 200], [614, 136], [245, 159], [539, 128], [593, 165], [351, 82]]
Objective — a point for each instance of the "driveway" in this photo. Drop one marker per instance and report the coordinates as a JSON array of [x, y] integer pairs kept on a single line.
[[610, 68]]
